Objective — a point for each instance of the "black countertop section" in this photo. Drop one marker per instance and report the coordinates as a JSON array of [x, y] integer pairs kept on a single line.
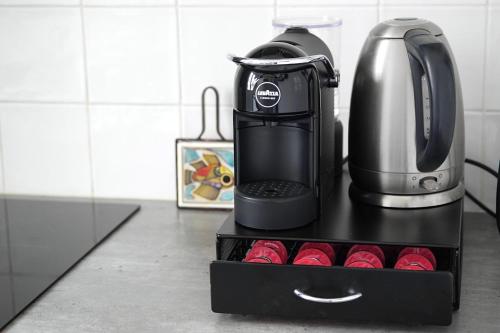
[[41, 239], [347, 221]]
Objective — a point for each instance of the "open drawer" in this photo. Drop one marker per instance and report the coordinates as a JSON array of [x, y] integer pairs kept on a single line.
[[332, 292], [335, 292]]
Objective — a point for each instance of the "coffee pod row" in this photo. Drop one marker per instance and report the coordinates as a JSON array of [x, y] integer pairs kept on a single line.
[[325, 254], [275, 252], [372, 256]]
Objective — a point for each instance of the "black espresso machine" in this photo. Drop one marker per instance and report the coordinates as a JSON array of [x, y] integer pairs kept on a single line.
[[288, 202], [284, 131]]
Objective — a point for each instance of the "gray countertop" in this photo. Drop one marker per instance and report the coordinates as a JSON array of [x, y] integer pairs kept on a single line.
[[152, 275]]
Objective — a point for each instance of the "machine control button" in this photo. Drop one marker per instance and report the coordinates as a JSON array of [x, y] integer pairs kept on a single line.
[[429, 183]]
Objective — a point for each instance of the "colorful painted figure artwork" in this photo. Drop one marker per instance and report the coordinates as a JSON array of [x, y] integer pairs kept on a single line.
[[205, 174]]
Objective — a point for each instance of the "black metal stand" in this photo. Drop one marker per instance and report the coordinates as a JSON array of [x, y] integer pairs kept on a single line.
[[388, 295]]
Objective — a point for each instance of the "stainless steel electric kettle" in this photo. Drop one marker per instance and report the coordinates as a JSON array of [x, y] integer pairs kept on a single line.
[[406, 125]]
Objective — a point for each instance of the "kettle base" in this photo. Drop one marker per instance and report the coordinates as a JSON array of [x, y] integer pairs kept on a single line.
[[407, 201]]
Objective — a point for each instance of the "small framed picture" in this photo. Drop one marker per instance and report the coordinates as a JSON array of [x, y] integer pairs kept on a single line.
[[205, 174]]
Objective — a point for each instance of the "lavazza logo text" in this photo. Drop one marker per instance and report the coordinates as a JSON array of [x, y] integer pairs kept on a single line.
[[267, 94]]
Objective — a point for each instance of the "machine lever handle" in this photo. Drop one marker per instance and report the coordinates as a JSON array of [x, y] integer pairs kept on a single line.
[[310, 298], [334, 73]]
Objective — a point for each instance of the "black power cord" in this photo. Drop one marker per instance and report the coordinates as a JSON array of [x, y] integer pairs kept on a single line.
[[476, 200], [482, 166]]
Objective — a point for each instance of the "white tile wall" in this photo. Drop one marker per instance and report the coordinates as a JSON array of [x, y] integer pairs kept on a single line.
[[192, 122], [41, 56], [131, 55], [492, 87], [45, 149], [93, 93], [133, 151]]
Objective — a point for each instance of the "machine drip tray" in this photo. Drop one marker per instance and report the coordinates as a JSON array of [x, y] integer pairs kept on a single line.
[[273, 189], [274, 204]]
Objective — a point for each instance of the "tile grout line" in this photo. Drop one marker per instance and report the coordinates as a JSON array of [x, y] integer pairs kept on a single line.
[[482, 153], [87, 114], [371, 5], [133, 6], [379, 10], [81, 5], [458, 4], [479, 110], [248, 5], [40, 102], [38, 6], [90, 103], [6, 102], [407, 5], [179, 71], [338, 5], [87, 99]]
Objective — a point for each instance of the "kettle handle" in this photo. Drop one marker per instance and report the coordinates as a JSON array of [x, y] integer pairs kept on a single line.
[[334, 73], [429, 55]]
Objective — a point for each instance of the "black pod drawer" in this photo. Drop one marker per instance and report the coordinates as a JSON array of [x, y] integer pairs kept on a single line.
[[385, 294]]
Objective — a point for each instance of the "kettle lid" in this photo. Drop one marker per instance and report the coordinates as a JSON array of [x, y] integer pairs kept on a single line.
[[398, 27]]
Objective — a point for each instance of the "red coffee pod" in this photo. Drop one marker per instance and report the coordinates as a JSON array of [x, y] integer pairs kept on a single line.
[[324, 247], [413, 262], [360, 264], [423, 251], [365, 256], [312, 257], [375, 249], [263, 252], [276, 246]]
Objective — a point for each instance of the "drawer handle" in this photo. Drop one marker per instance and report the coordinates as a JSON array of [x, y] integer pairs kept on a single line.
[[310, 298]]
